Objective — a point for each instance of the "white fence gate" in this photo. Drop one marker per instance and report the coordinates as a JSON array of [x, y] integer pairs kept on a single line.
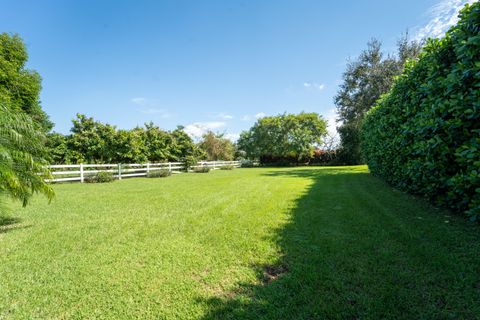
[[78, 172]]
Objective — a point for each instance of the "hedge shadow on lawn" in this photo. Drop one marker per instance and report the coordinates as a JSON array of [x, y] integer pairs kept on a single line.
[[355, 248]]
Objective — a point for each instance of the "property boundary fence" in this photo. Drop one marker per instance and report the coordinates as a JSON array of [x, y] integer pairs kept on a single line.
[[78, 172]]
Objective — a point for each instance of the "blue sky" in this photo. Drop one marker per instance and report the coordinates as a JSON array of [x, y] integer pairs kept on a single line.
[[204, 64]]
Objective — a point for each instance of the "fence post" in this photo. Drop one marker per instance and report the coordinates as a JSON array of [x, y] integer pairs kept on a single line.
[[214, 164], [81, 172], [170, 166], [148, 168], [119, 171]]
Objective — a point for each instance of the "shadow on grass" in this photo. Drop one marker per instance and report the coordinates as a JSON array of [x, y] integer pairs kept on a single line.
[[353, 249], [10, 223]]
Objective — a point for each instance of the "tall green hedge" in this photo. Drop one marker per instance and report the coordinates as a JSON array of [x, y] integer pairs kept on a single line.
[[424, 135]]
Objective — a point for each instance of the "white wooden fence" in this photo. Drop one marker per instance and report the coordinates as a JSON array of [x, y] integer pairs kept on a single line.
[[78, 172]]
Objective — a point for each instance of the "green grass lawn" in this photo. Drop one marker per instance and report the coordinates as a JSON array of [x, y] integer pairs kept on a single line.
[[300, 243]]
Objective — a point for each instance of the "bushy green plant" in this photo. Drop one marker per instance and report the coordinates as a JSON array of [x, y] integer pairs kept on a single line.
[[247, 163], [424, 135], [100, 177], [201, 169], [159, 173], [227, 167], [189, 162]]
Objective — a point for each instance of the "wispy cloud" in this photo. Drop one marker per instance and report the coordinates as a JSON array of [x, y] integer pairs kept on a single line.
[[139, 100], [442, 16], [246, 118], [150, 107], [198, 129], [314, 85], [260, 115], [221, 115]]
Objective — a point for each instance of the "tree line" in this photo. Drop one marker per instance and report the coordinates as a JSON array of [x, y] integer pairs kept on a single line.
[[92, 141]]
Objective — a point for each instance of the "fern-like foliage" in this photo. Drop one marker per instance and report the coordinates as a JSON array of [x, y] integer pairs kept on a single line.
[[22, 157]]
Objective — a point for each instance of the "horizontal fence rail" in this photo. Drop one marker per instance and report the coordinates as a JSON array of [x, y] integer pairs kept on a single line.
[[79, 172]]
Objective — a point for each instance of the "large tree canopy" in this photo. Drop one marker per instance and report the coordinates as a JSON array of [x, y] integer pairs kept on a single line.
[[20, 87], [284, 136]]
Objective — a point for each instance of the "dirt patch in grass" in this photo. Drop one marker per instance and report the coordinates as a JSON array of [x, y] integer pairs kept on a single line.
[[273, 272]]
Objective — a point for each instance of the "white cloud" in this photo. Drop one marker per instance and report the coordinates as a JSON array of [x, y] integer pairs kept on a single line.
[[246, 118], [198, 129], [331, 117], [260, 115], [443, 15], [313, 85], [232, 136]]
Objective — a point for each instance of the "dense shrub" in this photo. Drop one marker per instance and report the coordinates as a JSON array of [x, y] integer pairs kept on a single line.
[[99, 177], [202, 169], [247, 163], [162, 173], [324, 157], [227, 167], [424, 135]]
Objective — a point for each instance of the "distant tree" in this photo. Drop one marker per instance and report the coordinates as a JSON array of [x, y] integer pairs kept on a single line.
[[92, 141], [20, 87], [364, 81], [127, 147], [284, 136], [22, 157], [58, 148], [217, 147], [158, 143], [183, 147]]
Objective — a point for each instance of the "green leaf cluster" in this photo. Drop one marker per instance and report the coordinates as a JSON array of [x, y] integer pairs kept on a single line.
[[424, 135], [20, 87]]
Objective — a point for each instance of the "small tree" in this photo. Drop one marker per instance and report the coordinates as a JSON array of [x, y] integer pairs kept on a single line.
[[22, 157], [217, 147]]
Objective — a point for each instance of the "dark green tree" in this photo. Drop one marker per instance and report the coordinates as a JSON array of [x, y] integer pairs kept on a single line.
[[364, 82], [20, 87]]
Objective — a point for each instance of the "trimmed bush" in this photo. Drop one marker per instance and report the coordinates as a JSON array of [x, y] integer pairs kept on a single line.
[[324, 158], [162, 173], [202, 169], [100, 177], [227, 167], [424, 135]]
